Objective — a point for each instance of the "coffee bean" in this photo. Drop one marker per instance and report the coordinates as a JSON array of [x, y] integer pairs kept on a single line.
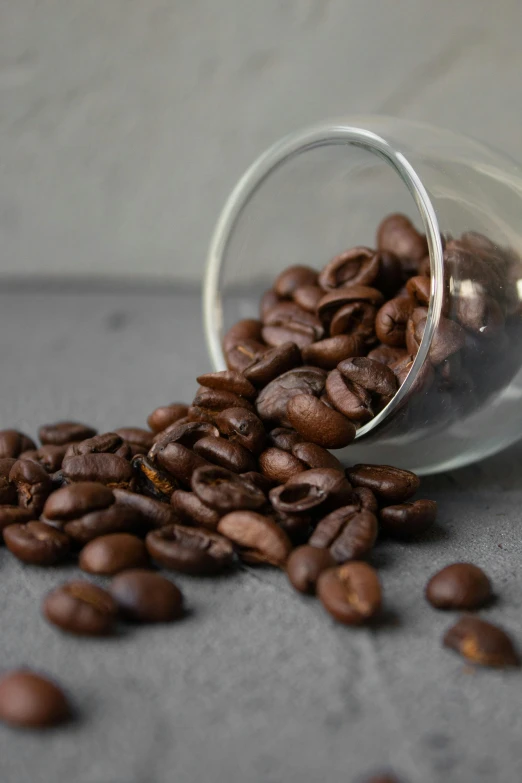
[[391, 321], [351, 593], [137, 437], [318, 423], [408, 520], [278, 465], [386, 354], [153, 513], [390, 485], [225, 453], [108, 442], [191, 511], [209, 402], [449, 338], [190, 550], [297, 500], [229, 381], [115, 519], [357, 319], [348, 533], [481, 314], [180, 462], [242, 427], [304, 566], [333, 301], [81, 608], [267, 301], [481, 642], [165, 415], [413, 333], [108, 555], [13, 443], [146, 597], [36, 543], [32, 484], [293, 277], [419, 288], [225, 491], [314, 456], [350, 399], [373, 376], [287, 322], [187, 433], [13, 515], [398, 235], [247, 329], [459, 586], [106, 469], [366, 499], [336, 488], [307, 297], [273, 363], [329, 352], [29, 700], [49, 457], [150, 480], [284, 438], [75, 500], [258, 480], [64, 432], [273, 399], [241, 355], [296, 526], [8, 494], [357, 266], [258, 538]]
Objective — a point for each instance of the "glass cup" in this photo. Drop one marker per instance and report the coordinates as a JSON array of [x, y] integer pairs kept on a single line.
[[327, 188]]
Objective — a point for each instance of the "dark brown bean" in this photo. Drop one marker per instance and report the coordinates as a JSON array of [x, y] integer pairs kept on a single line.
[[337, 489], [398, 235], [324, 426], [351, 593], [391, 320], [373, 376], [146, 597], [307, 297], [459, 586], [449, 338], [481, 314], [273, 399], [8, 494], [106, 469], [28, 700], [247, 329], [314, 456], [186, 433], [305, 565], [242, 427], [226, 454], [165, 415], [273, 363], [482, 643], [366, 499], [348, 533], [229, 381], [278, 465], [179, 461], [13, 515], [408, 520], [293, 277], [267, 301], [49, 457], [390, 485], [150, 480], [75, 500], [296, 526], [190, 550], [287, 322], [298, 500], [108, 555], [357, 266], [241, 355], [64, 432], [258, 538], [36, 543], [13, 443], [350, 399], [258, 480], [115, 519], [333, 301], [191, 510], [154, 513], [225, 491], [108, 442], [137, 437], [81, 608], [413, 334], [284, 438], [32, 483], [357, 319], [329, 352], [419, 287], [212, 401]]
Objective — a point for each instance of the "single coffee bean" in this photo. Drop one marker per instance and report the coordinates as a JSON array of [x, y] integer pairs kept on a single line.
[[242, 427], [375, 377], [32, 484], [334, 300], [146, 597], [187, 433], [36, 543], [357, 319], [13, 443], [357, 266], [273, 363], [229, 381], [106, 469], [408, 520], [180, 462], [241, 355], [398, 235], [108, 555], [318, 423], [304, 566], [258, 538], [267, 301], [337, 489], [419, 288], [481, 314], [387, 354], [153, 513], [329, 352], [64, 432], [366, 499], [278, 465], [107, 442], [351, 593], [293, 277], [302, 499], [296, 526], [349, 398], [225, 491], [49, 457], [391, 320], [13, 515], [165, 415], [247, 329], [137, 437], [225, 453], [150, 480], [273, 399], [314, 456], [287, 322], [481, 642], [191, 511], [258, 480], [459, 586], [284, 438], [390, 277], [81, 608], [449, 338], [75, 500], [115, 519], [211, 401], [413, 333], [348, 533], [307, 297], [190, 550], [28, 700], [390, 485]]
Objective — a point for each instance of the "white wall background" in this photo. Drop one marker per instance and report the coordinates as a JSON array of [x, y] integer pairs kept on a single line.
[[125, 123]]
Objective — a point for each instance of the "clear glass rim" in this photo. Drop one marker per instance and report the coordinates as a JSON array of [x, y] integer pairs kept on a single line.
[[273, 158]]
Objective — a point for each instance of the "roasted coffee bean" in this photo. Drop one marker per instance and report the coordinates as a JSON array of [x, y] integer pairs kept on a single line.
[[115, 519], [32, 484], [357, 319], [390, 277], [366, 499], [459, 586], [13, 515], [419, 287], [190, 550], [413, 333], [64, 432], [296, 526], [287, 322], [154, 513], [481, 314], [284, 438], [165, 415], [151, 480], [408, 520], [390, 485], [242, 427], [333, 301], [8, 494], [192, 511], [305, 565], [267, 301], [348, 533], [186, 433], [351, 593], [49, 457], [226, 454], [307, 297], [108, 442], [315, 456], [36, 543], [106, 469], [225, 491], [273, 363], [391, 320], [179, 461], [386, 354], [229, 381], [241, 355], [298, 500], [329, 352], [146, 597], [333, 483], [402, 366], [13, 443], [108, 555], [278, 465], [81, 608], [258, 480], [449, 338], [293, 277], [258, 538], [273, 399], [357, 266], [350, 399], [75, 500], [28, 700], [481, 643], [318, 423], [373, 376], [212, 401], [398, 235], [138, 438], [247, 329]]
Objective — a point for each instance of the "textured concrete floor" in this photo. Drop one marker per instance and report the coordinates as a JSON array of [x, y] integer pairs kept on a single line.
[[257, 685]]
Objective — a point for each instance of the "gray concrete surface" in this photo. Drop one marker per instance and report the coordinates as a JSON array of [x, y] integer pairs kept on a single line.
[[257, 684], [124, 124]]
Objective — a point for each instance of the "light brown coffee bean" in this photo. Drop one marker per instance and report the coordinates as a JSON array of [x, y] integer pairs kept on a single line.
[[351, 593], [258, 538]]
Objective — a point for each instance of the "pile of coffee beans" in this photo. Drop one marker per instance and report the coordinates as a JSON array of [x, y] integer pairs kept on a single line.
[[245, 473]]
